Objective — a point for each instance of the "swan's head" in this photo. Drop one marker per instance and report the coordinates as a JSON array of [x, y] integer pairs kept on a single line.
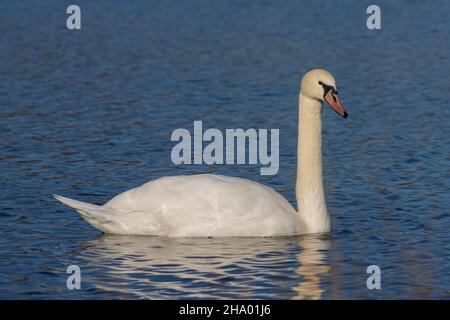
[[319, 84]]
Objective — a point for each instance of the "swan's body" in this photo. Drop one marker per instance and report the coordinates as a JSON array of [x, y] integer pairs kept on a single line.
[[199, 205], [218, 206]]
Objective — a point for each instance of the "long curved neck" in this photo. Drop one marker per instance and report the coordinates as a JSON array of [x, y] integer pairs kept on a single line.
[[309, 189]]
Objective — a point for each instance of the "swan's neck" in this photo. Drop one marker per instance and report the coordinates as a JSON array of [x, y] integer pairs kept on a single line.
[[309, 190]]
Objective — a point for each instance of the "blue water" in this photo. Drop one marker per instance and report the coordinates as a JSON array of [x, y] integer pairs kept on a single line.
[[89, 113]]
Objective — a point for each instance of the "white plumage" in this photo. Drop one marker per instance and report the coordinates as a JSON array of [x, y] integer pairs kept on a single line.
[[199, 205]]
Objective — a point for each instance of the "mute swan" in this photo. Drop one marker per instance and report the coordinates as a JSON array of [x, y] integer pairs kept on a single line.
[[209, 205]]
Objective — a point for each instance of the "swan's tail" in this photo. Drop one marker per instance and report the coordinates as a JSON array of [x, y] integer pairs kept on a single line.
[[98, 216]]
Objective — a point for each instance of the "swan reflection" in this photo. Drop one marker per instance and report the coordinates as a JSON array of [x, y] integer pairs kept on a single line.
[[312, 267], [234, 268]]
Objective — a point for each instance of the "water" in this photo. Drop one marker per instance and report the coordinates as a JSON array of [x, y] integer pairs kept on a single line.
[[89, 114]]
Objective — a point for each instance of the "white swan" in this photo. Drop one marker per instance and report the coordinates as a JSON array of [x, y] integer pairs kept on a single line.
[[209, 205]]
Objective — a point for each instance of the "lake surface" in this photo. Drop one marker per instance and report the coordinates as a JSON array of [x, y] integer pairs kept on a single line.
[[88, 114]]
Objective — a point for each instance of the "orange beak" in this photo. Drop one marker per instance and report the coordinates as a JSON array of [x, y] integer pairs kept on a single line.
[[332, 99]]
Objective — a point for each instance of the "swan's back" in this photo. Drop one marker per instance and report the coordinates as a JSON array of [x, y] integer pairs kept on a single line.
[[199, 206]]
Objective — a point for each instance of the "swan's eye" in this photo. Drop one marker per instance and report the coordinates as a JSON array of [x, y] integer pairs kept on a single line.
[[327, 88]]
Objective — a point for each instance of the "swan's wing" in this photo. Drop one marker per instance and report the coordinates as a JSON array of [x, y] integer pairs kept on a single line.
[[204, 205]]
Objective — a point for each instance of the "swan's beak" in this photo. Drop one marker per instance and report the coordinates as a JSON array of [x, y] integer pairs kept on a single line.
[[332, 99]]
